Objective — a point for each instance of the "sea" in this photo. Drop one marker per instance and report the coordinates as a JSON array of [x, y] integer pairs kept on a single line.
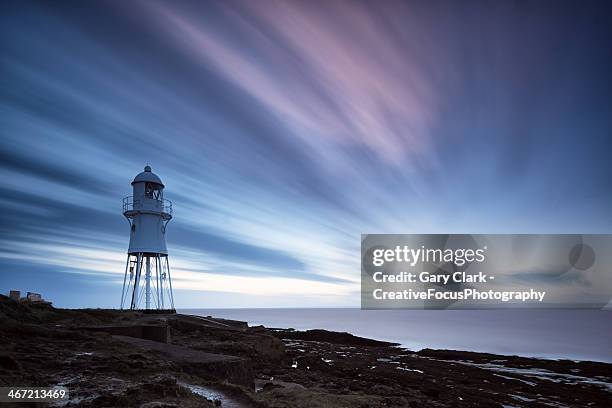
[[551, 334]]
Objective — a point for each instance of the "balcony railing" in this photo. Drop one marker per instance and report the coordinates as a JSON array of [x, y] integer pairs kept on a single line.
[[167, 206], [164, 206], [128, 203]]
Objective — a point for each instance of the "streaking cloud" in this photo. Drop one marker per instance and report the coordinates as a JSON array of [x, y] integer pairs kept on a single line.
[[333, 83], [284, 130]]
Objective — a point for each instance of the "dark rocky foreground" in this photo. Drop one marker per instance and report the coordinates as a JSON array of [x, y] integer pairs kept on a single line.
[[210, 362]]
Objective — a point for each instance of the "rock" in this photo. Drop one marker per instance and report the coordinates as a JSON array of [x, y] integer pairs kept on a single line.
[[331, 337], [270, 386], [158, 404], [9, 363], [379, 389], [430, 391], [332, 370]]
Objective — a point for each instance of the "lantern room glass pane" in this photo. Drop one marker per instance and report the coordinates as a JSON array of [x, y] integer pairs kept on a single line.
[[153, 191]]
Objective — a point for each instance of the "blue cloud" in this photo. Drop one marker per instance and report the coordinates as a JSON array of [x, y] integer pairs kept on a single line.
[[280, 143]]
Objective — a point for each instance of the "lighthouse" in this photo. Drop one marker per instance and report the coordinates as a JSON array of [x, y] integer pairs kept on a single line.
[[146, 282]]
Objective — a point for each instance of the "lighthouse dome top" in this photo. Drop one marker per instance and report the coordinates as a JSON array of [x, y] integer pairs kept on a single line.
[[147, 176]]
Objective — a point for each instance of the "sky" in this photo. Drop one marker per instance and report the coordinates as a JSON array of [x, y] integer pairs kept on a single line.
[[285, 130]]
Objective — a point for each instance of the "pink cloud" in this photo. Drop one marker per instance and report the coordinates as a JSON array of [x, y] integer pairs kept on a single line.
[[345, 81]]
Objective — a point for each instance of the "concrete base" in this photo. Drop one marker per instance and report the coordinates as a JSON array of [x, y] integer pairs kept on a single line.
[[235, 370], [149, 332]]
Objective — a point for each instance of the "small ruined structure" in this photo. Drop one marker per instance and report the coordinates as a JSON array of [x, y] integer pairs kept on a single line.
[[31, 297], [147, 284], [34, 297]]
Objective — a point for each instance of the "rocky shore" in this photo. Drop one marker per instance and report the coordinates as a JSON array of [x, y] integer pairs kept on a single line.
[[109, 358]]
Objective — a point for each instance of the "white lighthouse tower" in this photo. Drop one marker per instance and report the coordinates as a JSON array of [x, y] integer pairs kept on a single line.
[[147, 283]]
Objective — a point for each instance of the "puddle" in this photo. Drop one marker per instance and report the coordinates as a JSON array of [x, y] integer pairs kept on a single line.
[[521, 398], [542, 374], [213, 394], [410, 369], [532, 384]]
